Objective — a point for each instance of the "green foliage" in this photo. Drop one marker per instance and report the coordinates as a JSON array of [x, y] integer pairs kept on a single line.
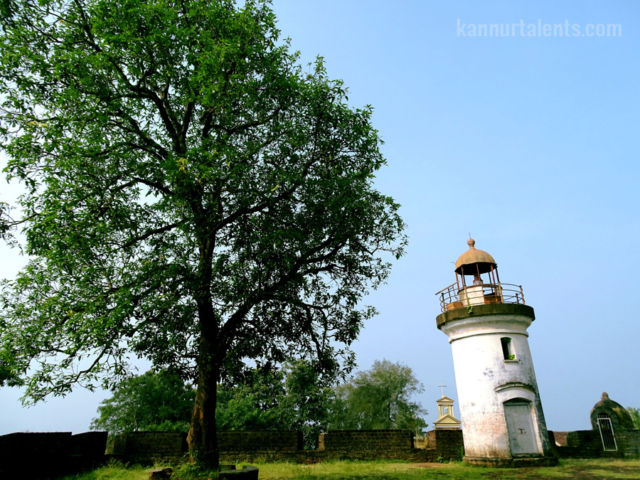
[[193, 197], [635, 416], [307, 401], [113, 470], [296, 398], [379, 399], [8, 377], [460, 453], [193, 471], [153, 402], [252, 405]]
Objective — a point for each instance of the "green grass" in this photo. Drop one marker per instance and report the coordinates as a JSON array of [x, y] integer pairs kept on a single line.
[[114, 471], [388, 470]]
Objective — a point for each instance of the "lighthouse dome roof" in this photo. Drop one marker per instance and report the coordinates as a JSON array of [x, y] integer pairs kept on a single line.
[[473, 256]]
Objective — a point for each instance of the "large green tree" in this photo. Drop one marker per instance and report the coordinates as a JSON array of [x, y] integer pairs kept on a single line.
[[192, 197], [379, 398]]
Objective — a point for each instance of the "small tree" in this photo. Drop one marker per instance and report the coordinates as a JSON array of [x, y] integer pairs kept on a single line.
[[307, 401], [379, 398], [192, 197], [153, 401], [635, 416]]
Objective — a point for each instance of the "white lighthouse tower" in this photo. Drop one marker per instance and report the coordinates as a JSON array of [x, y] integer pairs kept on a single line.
[[486, 322]]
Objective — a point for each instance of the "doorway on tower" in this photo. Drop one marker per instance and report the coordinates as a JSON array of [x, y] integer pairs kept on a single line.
[[522, 437]]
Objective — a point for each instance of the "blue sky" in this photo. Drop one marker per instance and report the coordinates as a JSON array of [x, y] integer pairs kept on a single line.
[[528, 143]]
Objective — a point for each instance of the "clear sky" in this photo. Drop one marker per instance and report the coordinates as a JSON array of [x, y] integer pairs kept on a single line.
[[528, 142]]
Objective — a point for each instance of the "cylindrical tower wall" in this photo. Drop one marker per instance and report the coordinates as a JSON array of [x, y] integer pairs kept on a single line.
[[486, 378]]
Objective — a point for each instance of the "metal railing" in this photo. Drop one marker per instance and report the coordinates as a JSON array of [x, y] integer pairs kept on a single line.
[[454, 297]]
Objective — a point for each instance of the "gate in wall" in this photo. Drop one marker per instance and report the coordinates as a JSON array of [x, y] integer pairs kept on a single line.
[[606, 432]]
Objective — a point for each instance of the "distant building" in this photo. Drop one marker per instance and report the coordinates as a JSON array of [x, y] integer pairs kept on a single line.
[[446, 418], [613, 434]]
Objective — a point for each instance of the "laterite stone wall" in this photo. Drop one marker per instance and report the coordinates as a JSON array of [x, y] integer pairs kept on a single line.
[[588, 444], [63, 453], [629, 442], [349, 440], [148, 447], [362, 445], [578, 444], [448, 444], [271, 441], [50, 454]]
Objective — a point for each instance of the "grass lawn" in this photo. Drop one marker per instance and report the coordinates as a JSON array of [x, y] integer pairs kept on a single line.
[[382, 470]]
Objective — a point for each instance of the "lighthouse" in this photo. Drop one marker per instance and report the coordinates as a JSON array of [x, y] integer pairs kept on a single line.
[[500, 407]]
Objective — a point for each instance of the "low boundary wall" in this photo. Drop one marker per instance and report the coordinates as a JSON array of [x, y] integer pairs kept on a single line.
[[360, 445], [588, 444], [51, 454], [48, 455]]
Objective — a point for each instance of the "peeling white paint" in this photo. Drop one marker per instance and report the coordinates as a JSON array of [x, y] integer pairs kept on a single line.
[[485, 380]]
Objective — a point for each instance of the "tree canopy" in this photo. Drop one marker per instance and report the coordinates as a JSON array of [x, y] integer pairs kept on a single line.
[[379, 398], [293, 398], [153, 401], [193, 197]]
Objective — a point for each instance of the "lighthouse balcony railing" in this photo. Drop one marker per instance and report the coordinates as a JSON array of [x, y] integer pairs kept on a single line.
[[454, 297]]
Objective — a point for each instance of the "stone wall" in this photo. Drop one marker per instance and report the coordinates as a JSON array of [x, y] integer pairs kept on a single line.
[[148, 447], [448, 444], [628, 442], [87, 450], [363, 445], [64, 453], [44, 455], [348, 440], [89, 444], [588, 444], [271, 441], [578, 444]]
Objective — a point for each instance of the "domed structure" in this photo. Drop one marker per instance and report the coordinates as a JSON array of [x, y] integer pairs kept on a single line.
[[484, 286], [607, 408], [481, 261]]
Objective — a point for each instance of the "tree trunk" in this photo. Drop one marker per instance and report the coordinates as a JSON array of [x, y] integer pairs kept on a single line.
[[203, 438]]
